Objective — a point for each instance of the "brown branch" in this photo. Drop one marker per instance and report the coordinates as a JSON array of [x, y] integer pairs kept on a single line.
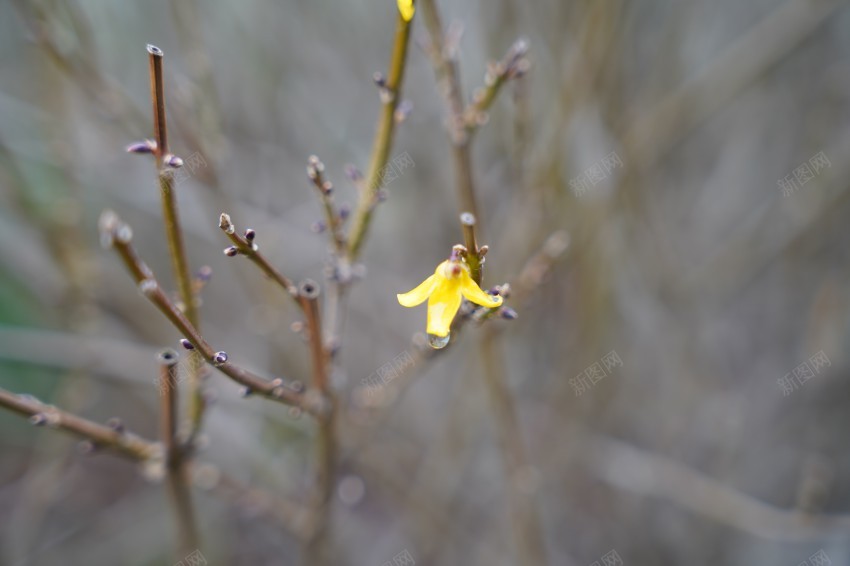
[[177, 474], [247, 247], [102, 436], [463, 121], [448, 81], [473, 255], [167, 385], [308, 292], [333, 219], [165, 162], [512, 66], [119, 235], [326, 438]]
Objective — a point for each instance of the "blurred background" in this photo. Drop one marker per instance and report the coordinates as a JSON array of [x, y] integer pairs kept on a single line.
[[674, 390]]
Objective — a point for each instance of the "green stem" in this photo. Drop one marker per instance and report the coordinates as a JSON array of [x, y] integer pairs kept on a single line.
[[383, 138]]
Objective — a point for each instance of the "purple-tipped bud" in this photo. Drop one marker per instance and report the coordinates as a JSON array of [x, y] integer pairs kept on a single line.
[[142, 147], [344, 212], [231, 251], [246, 392], [219, 359], [508, 313], [173, 161], [504, 290], [186, 344], [250, 235], [317, 227], [379, 79], [204, 273]]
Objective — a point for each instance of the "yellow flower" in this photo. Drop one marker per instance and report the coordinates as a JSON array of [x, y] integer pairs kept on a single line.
[[406, 9], [444, 290]]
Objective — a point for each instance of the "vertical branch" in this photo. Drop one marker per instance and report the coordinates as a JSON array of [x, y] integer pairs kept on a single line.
[[318, 548], [178, 485], [160, 130], [390, 97], [474, 255], [333, 218], [308, 292], [167, 384], [173, 231], [464, 120], [448, 79]]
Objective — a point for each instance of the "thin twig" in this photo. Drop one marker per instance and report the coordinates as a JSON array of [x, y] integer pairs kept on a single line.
[[463, 121], [167, 385], [448, 80], [512, 66], [308, 292], [165, 162], [117, 234], [102, 436], [248, 247], [176, 472], [333, 218], [391, 97], [326, 439]]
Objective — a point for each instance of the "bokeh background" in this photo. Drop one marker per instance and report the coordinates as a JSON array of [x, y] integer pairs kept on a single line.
[[693, 260]]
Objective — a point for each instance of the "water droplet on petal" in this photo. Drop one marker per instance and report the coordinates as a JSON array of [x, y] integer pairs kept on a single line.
[[438, 342]]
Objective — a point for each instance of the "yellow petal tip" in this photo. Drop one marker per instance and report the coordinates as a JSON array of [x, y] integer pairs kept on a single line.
[[406, 9]]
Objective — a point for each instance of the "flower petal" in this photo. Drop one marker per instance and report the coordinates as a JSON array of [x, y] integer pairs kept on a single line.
[[473, 292], [419, 294], [442, 307], [406, 9]]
